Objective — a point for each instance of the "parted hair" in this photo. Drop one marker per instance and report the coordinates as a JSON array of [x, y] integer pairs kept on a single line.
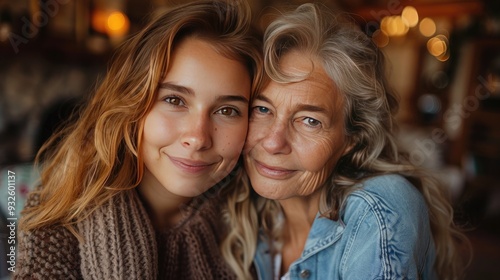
[[356, 66], [98, 155]]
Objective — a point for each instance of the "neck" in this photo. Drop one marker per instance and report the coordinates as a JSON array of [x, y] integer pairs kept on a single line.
[[163, 207], [299, 213]]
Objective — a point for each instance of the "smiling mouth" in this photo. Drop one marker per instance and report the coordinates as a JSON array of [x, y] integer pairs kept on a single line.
[[190, 166], [272, 172]]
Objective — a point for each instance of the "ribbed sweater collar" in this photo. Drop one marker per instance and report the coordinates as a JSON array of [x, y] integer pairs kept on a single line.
[[121, 243]]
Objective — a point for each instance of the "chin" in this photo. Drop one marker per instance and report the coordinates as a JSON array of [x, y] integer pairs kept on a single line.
[[266, 193], [190, 191]]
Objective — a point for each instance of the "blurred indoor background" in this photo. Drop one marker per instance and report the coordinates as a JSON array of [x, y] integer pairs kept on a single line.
[[443, 57]]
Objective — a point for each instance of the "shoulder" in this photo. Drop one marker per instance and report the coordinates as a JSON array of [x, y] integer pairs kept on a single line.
[[388, 184], [388, 216], [389, 192], [48, 252], [389, 207]]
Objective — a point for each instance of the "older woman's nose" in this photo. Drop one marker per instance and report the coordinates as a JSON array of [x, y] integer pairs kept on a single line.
[[275, 139]]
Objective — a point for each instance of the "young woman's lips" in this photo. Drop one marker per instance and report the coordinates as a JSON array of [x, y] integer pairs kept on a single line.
[[190, 166], [272, 172]]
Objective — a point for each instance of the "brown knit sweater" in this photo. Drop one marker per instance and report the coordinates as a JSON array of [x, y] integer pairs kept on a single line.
[[120, 243]]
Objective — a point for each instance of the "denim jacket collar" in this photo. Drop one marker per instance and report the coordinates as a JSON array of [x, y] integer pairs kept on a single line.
[[323, 233]]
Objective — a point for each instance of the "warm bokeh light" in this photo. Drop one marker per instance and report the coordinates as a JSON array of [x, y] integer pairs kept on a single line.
[[380, 38], [393, 26], [99, 19], [438, 47], [4, 32], [410, 16], [384, 24], [444, 57], [427, 27], [117, 24], [494, 82], [446, 54], [113, 23]]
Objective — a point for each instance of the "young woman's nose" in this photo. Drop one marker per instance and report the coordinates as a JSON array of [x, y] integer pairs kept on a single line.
[[275, 140], [197, 133]]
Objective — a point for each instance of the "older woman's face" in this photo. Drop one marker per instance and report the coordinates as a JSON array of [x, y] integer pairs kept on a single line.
[[296, 132]]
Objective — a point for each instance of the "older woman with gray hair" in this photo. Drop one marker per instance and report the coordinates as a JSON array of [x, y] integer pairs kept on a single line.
[[332, 196]]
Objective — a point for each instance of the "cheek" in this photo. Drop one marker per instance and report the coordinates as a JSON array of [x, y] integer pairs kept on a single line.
[[318, 159], [309, 182], [158, 130], [316, 154], [231, 141], [252, 136]]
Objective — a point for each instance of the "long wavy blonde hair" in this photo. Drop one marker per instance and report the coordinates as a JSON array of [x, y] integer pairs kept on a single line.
[[356, 65], [98, 155]]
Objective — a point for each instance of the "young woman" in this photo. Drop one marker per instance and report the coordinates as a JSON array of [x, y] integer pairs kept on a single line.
[[338, 201], [132, 189]]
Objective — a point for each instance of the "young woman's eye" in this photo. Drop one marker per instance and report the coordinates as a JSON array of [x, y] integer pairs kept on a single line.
[[311, 122], [173, 100], [228, 111]]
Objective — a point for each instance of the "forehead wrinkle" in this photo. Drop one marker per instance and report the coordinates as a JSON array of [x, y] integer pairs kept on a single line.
[[312, 90], [317, 80], [303, 97]]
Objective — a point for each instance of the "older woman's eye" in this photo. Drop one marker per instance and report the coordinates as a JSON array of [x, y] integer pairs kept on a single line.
[[311, 122], [261, 109]]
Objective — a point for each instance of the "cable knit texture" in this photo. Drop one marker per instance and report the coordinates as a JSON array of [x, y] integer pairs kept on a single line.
[[120, 243]]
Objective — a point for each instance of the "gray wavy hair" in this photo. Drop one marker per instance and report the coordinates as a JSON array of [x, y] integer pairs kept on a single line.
[[357, 67]]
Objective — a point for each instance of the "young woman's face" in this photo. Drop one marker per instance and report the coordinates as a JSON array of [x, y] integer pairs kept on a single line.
[[196, 129], [296, 133]]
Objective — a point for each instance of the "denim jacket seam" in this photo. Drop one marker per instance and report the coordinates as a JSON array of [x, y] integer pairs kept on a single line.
[[422, 267], [351, 239], [375, 207]]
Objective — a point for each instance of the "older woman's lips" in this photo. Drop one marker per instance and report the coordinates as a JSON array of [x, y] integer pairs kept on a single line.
[[190, 166], [272, 172]]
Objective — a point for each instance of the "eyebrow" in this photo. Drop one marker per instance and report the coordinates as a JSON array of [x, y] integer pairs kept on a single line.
[[189, 91], [176, 88], [237, 98], [300, 107]]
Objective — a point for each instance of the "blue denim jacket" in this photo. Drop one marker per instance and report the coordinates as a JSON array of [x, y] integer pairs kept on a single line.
[[383, 233]]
